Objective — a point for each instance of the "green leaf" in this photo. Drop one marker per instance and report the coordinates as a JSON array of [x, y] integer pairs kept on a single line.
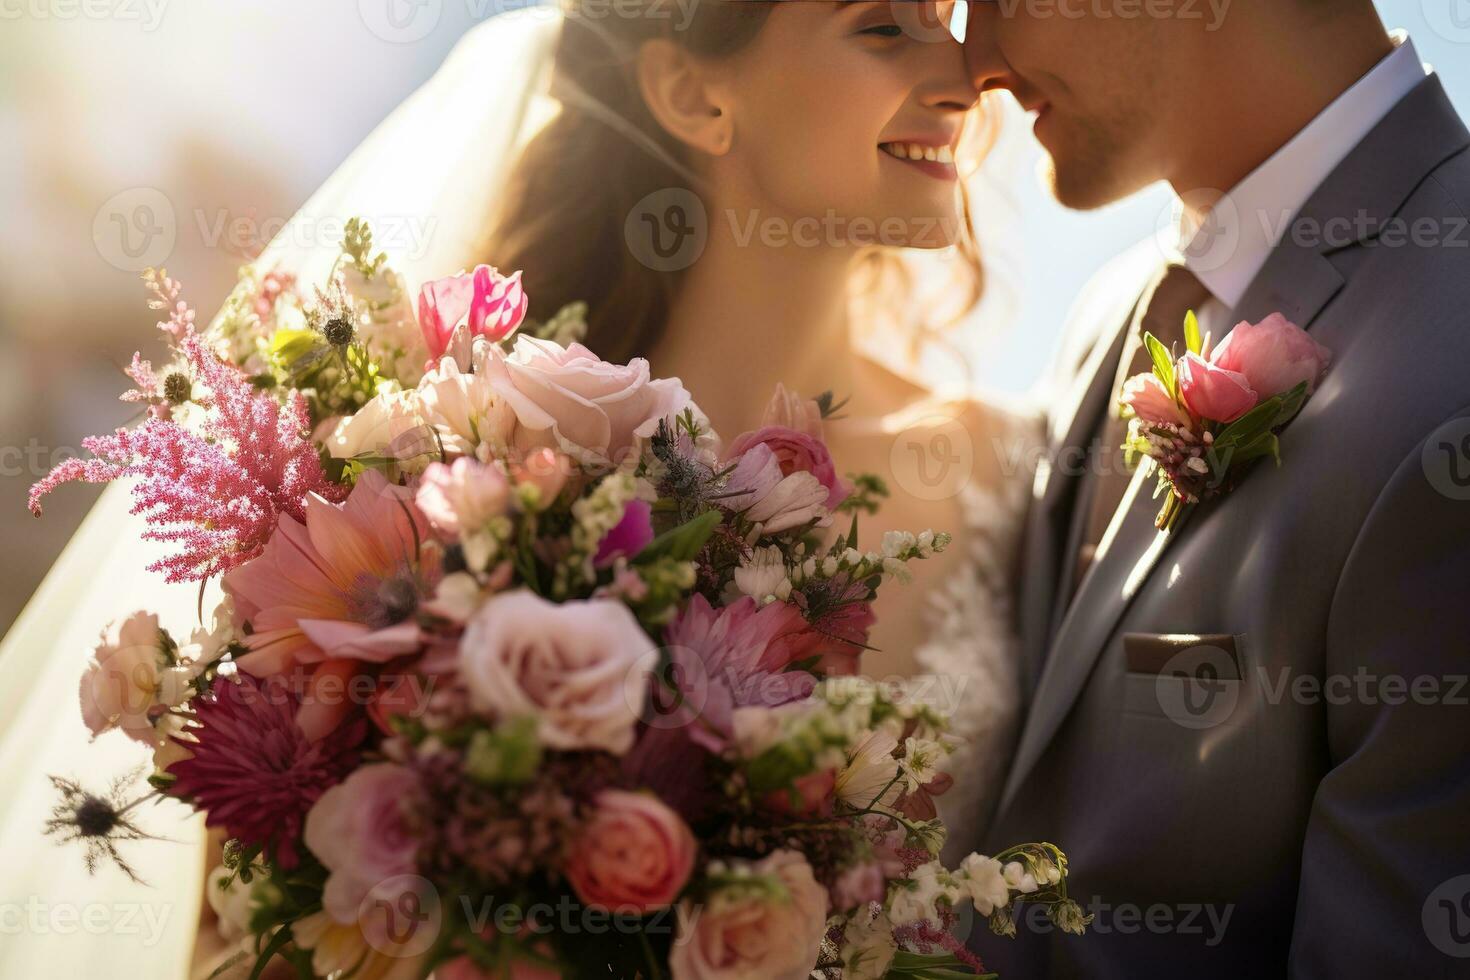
[[1191, 334], [682, 543], [1291, 403], [1258, 420], [852, 537], [1163, 363]]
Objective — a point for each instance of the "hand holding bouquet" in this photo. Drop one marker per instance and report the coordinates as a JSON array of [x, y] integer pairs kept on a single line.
[[516, 672]]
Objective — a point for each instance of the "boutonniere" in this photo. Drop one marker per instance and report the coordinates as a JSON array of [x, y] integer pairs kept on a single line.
[[1204, 416]]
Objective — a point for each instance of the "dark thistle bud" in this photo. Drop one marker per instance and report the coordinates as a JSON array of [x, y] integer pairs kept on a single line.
[[177, 388], [338, 331]]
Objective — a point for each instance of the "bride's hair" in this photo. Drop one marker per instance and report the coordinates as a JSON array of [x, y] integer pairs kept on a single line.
[[562, 215]]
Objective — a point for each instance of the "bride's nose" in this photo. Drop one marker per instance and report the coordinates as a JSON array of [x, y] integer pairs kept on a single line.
[[950, 87]]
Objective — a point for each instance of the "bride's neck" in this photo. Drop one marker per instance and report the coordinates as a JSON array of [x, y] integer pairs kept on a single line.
[[754, 310]]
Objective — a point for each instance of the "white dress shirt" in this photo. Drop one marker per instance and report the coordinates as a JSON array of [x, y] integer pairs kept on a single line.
[[1235, 241]]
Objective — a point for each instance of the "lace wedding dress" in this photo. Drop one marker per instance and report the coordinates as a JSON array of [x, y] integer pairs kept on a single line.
[[440, 156]]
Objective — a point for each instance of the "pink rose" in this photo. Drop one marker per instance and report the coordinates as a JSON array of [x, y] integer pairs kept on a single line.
[[569, 398], [489, 304], [739, 932], [359, 829], [858, 885], [1212, 392], [796, 452], [634, 854], [580, 668], [1275, 355], [1151, 401], [120, 686], [464, 496]]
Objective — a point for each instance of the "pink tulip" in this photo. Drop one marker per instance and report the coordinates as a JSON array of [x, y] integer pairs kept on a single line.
[[1212, 392], [1151, 401], [1275, 355], [489, 304]]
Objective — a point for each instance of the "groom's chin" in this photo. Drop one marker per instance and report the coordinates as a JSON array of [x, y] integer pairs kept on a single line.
[[1083, 186]]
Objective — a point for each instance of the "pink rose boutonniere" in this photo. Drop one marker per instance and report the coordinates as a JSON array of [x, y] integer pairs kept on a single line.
[[1204, 416]]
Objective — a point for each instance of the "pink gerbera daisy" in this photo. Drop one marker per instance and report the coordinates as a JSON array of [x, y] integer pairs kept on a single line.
[[338, 590]]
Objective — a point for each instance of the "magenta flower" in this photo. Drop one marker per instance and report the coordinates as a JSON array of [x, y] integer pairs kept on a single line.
[[343, 583], [1212, 392], [216, 494], [631, 535], [254, 772], [489, 304]]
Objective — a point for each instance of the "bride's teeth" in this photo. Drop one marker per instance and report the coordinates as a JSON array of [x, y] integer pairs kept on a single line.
[[946, 155], [930, 153], [913, 151], [916, 152]]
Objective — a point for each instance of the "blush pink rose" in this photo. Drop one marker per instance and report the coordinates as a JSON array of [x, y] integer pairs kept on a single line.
[[1213, 392], [120, 685], [579, 668], [740, 932], [463, 496], [1275, 355], [1151, 401], [796, 452], [570, 399], [489, 304], [359, 829], [634, 854]]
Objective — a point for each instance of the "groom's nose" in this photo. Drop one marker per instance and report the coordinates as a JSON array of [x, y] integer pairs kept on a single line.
[[984, 58]]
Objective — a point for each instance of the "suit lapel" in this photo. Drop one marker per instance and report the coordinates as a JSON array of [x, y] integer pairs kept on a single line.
[[1299, 280], [1049, 520]]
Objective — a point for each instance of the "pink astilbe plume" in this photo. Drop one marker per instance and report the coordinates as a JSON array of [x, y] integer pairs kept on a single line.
[[216, 493]]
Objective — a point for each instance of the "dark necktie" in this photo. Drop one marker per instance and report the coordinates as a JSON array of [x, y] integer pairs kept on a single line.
[[1172, 293]]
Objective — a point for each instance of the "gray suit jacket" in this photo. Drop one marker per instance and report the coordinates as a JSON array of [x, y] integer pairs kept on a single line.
[[1252, 735]]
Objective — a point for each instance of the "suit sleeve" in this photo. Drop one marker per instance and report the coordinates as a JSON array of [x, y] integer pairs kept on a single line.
[[1385, 876]]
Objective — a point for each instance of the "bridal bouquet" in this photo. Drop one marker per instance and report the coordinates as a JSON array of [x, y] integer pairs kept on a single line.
[[517, 673]]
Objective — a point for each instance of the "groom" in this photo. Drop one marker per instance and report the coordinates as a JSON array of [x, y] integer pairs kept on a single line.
[[1252, 734]]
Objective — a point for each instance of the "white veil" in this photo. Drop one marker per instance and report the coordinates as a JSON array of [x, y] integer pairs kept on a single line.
[[425, 179]]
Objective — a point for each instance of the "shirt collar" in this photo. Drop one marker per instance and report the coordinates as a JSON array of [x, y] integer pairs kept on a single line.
[[1236, 240]]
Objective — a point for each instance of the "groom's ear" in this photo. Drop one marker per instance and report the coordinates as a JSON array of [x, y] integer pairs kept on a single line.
[[684, 98]]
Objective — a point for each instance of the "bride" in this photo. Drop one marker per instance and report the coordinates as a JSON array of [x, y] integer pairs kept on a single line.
[[767, 193]]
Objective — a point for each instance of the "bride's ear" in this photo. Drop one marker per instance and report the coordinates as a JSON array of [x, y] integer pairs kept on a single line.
[[684, 98]]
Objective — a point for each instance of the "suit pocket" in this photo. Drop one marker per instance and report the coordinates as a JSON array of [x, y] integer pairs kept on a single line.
[[1193, 680]]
